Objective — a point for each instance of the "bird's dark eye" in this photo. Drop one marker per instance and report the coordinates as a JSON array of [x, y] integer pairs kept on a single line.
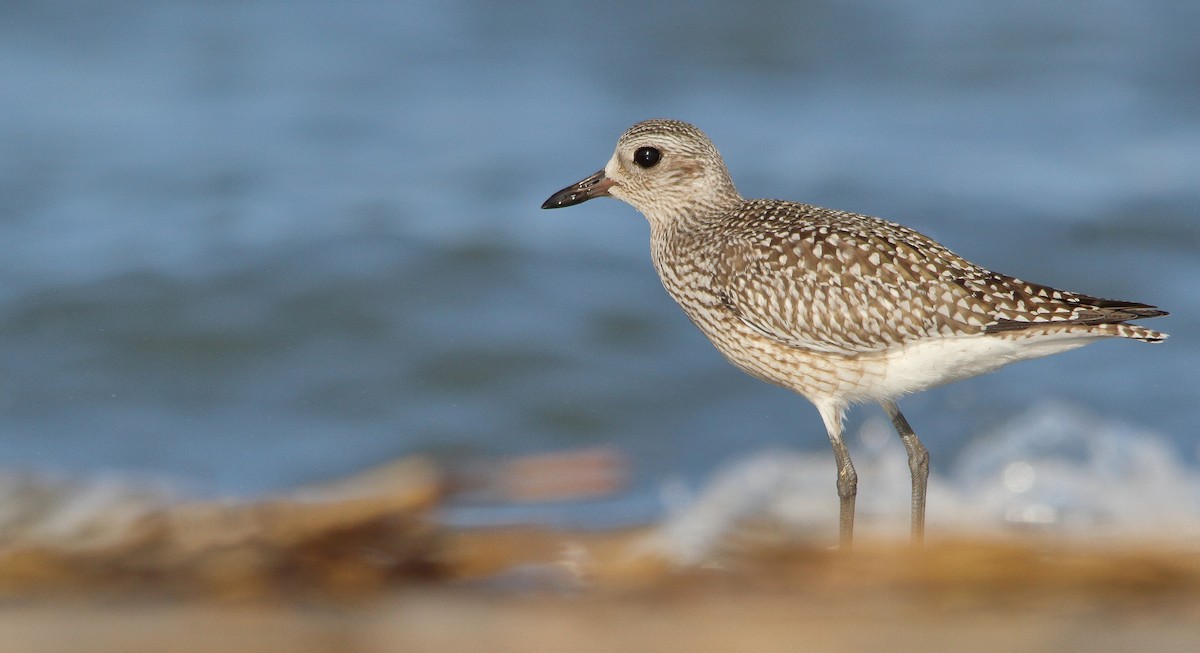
[[647, 157]]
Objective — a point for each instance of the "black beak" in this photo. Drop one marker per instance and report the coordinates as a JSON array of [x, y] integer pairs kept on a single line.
[[595, 186]]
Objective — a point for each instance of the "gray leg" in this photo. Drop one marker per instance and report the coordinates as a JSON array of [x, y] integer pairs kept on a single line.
[[918, 465], [847, 479], [847, 486]]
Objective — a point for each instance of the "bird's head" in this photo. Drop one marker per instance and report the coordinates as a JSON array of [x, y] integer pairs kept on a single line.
[[664, 169]]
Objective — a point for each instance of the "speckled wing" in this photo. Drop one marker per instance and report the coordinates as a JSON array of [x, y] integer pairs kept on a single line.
[[844, 283]]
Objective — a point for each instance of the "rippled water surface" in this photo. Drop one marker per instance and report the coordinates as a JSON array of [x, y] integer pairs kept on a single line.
[[251, 245]]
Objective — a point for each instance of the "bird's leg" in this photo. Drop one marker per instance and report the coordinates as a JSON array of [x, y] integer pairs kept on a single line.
[[847, 479], [918, 465], [847, 486]]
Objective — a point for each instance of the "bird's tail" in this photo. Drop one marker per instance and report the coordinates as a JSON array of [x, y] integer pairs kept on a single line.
[[1133, 331]]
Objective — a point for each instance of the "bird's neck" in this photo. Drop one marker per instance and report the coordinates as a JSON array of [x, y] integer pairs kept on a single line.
[[694, 210]]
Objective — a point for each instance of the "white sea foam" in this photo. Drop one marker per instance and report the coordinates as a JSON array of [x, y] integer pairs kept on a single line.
[[1055, 468], [43, 509]]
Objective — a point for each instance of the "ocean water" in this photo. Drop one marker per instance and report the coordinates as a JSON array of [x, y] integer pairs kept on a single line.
[[249, 246]]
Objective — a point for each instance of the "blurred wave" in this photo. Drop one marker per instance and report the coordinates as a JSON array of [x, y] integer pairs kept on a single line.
[[255, 245]]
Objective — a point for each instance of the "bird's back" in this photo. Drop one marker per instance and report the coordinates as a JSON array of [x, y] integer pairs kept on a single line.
[[841, 283]]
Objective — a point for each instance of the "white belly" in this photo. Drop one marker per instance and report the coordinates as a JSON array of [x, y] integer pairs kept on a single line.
[[887, 375], [930, 363]]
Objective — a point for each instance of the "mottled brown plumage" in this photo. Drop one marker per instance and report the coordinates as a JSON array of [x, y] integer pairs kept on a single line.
[[869, 285], [839, 307]]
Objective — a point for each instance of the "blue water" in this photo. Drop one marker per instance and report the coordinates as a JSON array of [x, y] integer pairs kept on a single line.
[[250, 245]]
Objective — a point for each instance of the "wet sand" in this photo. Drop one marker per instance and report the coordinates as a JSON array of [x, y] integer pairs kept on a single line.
[[353, 572], [962, 596]]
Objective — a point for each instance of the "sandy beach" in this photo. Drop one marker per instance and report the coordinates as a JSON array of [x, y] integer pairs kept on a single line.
[[373, 572]]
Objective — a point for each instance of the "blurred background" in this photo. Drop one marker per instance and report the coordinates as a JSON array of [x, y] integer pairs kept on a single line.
[[253, 245]]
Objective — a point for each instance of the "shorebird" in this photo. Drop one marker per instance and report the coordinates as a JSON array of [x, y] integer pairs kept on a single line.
[[839, 307]]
